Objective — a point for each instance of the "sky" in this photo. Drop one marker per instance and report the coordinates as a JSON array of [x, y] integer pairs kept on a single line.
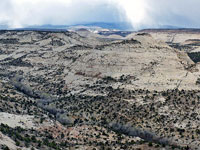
[[140, 13]]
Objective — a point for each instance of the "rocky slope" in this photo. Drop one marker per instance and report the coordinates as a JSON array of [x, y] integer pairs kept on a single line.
[[92, 92]]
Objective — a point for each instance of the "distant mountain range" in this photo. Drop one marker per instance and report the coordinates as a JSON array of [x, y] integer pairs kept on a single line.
[[111, 26], [99, 26], [3, 27]]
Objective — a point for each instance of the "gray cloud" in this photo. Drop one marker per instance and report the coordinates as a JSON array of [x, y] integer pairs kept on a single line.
[[141, 13], [183, 13]]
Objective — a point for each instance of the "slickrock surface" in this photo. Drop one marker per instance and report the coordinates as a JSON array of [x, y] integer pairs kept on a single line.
[[68, 90]]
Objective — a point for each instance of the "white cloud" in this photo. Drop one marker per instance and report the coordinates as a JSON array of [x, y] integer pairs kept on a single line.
[[135, 10], [19, 13], [141, 13]]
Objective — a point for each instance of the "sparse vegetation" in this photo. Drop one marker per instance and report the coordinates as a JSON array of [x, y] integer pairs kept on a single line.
[[97, 93]]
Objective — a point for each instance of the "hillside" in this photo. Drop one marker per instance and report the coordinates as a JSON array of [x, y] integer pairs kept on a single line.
[[81, 90]]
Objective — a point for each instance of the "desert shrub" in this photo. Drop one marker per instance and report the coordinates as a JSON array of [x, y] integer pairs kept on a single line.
[[143, 34], [9, 41], [4, 147], [195, 56], [198, 81]]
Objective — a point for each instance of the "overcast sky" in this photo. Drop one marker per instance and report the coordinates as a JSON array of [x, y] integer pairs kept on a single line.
[[140, 13]]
